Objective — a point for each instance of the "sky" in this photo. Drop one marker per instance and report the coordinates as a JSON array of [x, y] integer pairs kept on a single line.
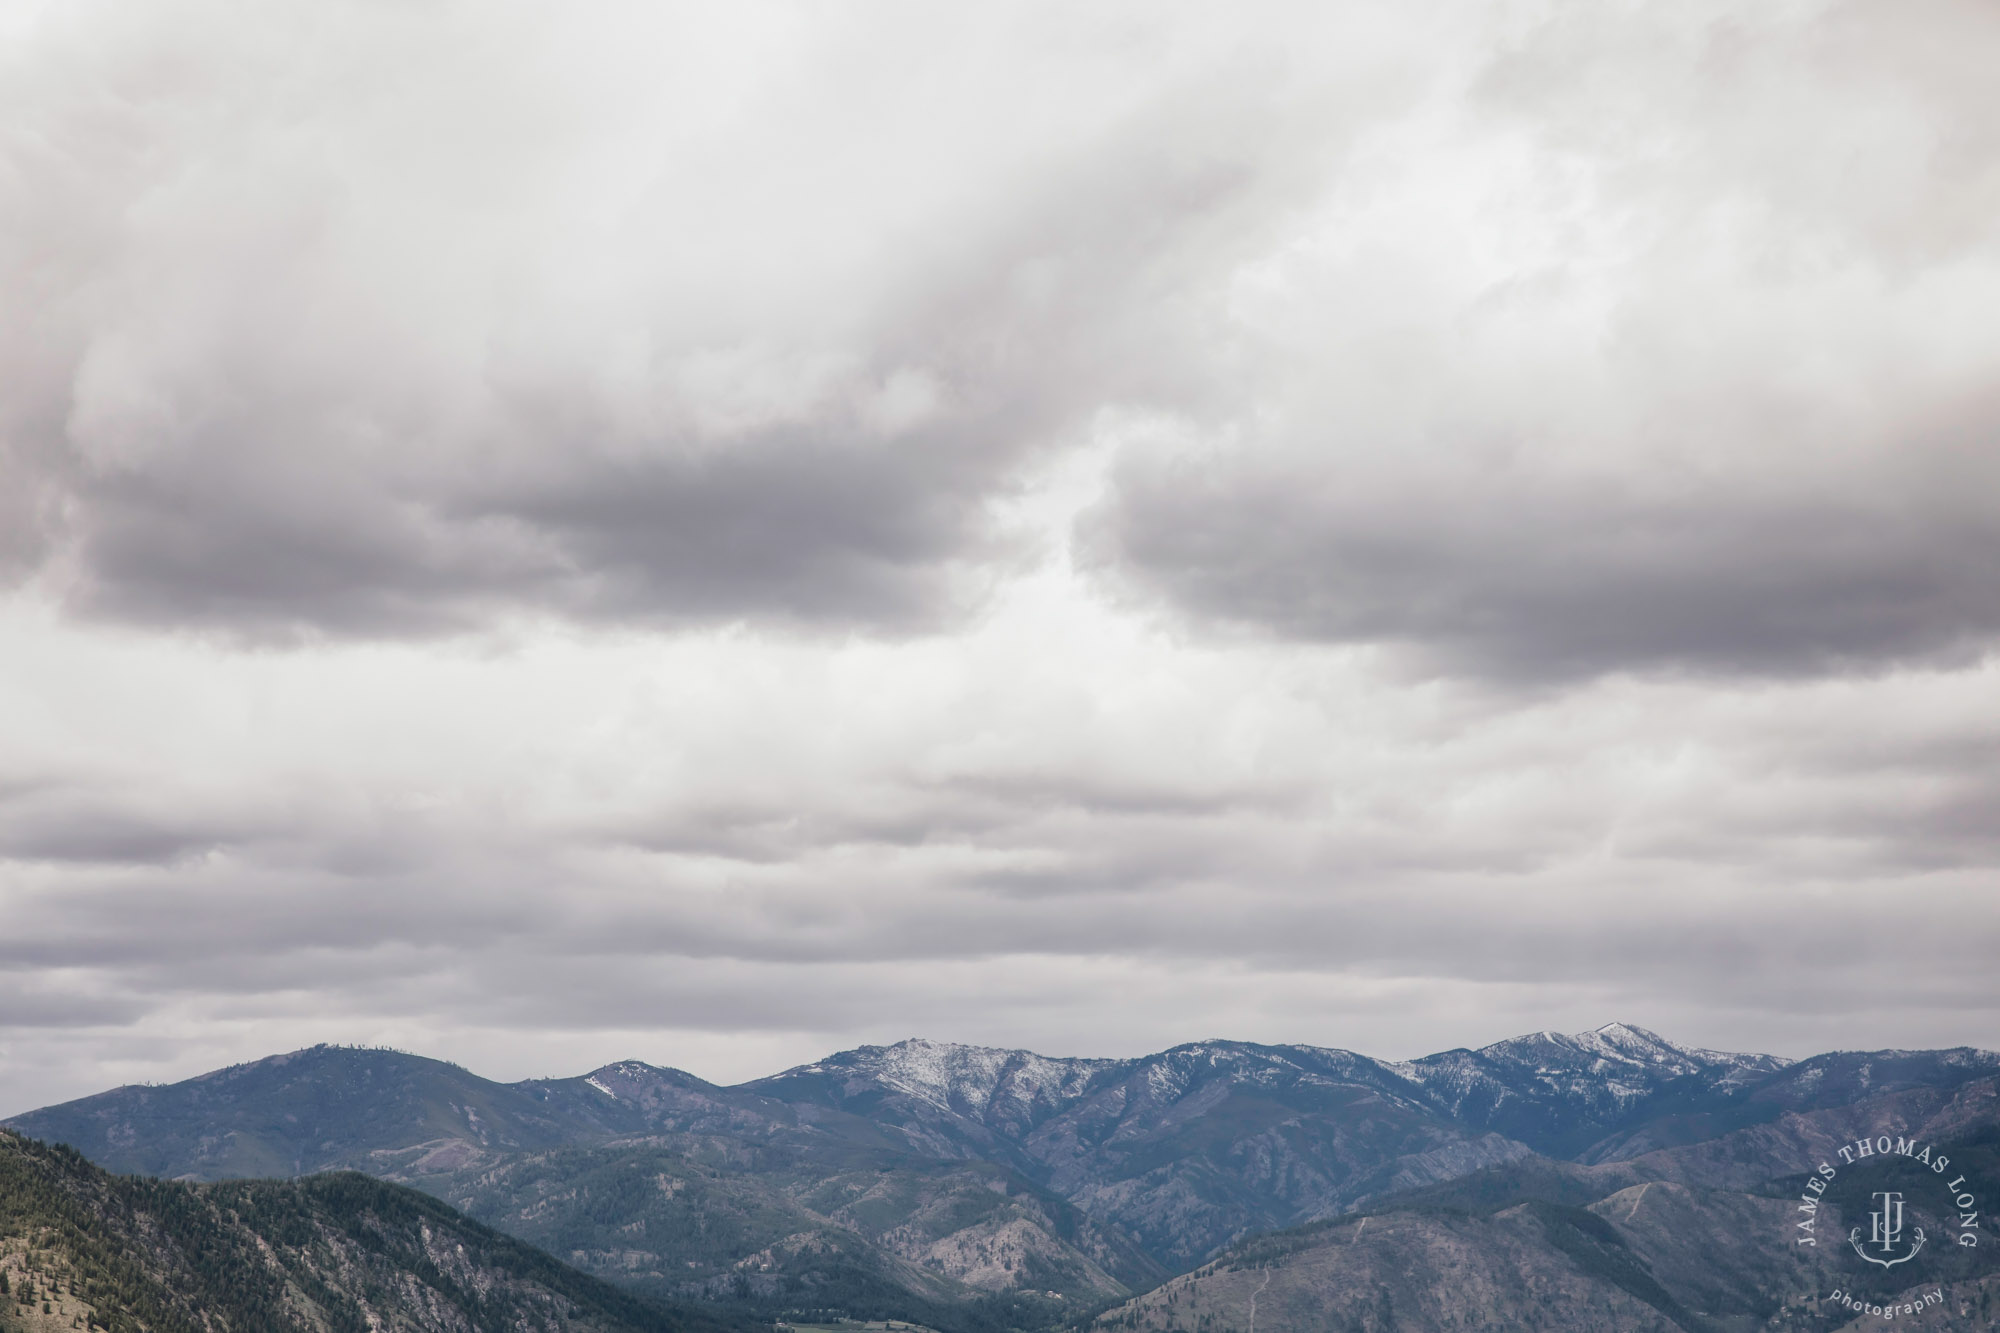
[[541, 534]]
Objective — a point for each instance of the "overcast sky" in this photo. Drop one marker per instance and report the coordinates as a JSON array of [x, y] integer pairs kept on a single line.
[[544, 534]]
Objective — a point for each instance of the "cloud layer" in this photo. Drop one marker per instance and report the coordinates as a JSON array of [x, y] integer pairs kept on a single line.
[[379, 323], [709, 537], [1655, 343]]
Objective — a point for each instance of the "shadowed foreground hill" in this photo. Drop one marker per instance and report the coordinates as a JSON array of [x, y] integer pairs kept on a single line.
[[339, 1253]]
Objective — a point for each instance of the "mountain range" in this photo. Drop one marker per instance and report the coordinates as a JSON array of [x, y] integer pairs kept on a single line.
[[967, 1187]]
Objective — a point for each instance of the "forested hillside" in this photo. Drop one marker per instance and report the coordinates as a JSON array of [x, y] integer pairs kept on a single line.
[[1699, 1239], [338, 1253]]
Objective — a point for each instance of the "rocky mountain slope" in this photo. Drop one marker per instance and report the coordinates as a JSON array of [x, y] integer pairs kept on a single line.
[[1700, 1239], [899, 1241], [80, 1248]]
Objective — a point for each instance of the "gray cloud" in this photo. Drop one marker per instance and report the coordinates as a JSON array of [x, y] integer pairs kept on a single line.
[[1727, 852], [1544, 348], [74, 819], [278, 369], [1529, 580], [709, 535], [1665, 357]]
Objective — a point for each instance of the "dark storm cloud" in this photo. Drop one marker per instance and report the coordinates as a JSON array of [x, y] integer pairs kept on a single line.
[[292, 352], [78, 817], [1546, 345], [1535, 582], [801, 530], [1681, 357]]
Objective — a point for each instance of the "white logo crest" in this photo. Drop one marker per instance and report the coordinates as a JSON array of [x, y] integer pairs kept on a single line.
[[1885, 1233]]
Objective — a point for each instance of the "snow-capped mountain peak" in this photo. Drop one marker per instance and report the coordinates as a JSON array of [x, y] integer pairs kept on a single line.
[[959, 1078], [1605, 1049]]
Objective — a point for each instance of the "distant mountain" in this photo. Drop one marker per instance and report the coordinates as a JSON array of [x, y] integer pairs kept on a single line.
[[739, 1198], [80, 1248], [950, 1100], [965, 1186], [1840, 1078], [306, 1111], [1191, 1148], [383, 1111], [1562, 1094]]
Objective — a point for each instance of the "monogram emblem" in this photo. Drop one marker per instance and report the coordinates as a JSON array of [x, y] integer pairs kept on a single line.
[[1885, 1245]]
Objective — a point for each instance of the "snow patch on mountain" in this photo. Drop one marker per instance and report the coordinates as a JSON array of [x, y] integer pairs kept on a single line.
[[1614, 1045], [961, 1079]]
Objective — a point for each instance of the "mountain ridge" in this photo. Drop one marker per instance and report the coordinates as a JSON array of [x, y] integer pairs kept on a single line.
[[944, 1183], [949, 1049]]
